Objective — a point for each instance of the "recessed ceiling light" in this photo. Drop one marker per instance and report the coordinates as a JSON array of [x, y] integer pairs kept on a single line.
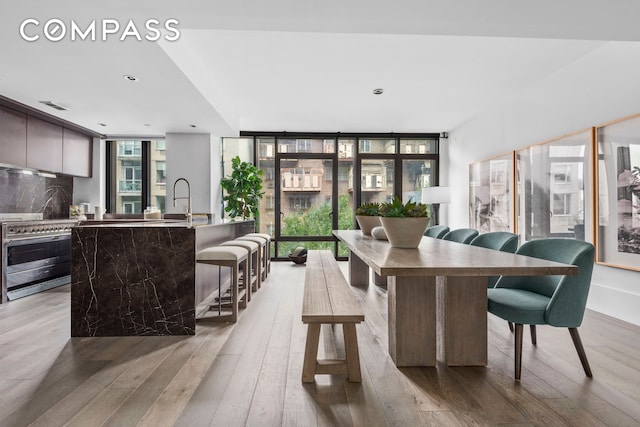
[[53, 105], [378, 91], [130, 78]]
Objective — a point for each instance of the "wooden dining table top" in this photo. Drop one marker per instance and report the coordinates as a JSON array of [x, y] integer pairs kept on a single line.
[[437, 257]]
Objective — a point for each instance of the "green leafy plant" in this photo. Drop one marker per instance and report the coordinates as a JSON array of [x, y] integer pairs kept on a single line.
[[243, 189], [396, 209], [368, 209]]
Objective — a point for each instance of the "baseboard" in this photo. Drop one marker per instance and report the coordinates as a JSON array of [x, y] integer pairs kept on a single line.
[[613, 302]]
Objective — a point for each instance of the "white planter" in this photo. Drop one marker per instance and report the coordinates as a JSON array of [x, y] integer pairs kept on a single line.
[[404, 232], [366, 223]]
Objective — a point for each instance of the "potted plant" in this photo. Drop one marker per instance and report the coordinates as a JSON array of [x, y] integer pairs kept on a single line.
[[368, 216], [243, 189], [404, 224]]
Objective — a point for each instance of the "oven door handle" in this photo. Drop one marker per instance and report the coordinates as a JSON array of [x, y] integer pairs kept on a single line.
[[18, 241]]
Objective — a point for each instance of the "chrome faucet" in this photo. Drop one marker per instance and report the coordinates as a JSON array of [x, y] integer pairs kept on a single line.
[[188, 198]]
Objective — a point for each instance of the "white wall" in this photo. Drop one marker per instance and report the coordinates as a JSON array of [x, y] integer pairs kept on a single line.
[[195, 157], [599, 87], [92, 190]]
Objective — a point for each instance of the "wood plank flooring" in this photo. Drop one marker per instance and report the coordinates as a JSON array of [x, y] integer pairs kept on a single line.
[[249, 373]]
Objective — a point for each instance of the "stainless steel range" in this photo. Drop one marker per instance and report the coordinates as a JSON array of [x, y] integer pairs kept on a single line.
[[36, 254]]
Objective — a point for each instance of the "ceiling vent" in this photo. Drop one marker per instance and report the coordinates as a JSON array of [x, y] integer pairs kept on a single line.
[[53, 105]]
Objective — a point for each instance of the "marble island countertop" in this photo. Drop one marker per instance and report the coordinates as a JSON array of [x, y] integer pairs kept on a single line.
[[153, 223]]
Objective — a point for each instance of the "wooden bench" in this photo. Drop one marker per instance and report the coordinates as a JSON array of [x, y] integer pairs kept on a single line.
[[328, 300]]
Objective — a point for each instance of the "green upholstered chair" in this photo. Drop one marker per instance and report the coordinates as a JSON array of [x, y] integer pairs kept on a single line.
[[461, 235], [498, 240], [546, 300], [437, 231]]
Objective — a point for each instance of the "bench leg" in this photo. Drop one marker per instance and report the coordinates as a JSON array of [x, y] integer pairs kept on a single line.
[[311, 353], [351, 352]]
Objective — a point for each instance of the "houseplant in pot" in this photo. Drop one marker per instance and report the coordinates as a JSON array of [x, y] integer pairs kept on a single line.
[[368, 216], [404, 224], [242, 189]]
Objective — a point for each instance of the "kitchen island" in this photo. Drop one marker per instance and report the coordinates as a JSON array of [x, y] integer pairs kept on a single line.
[[141, 278]]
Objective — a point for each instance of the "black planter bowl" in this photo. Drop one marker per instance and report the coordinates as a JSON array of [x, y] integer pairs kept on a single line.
[[298, 259]]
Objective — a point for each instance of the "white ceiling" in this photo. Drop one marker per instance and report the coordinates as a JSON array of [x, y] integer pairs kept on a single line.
[[291, 65]]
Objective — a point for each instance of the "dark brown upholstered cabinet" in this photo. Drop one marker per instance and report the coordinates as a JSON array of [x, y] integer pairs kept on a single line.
[[13, 137], [44, 145], [76, 153]]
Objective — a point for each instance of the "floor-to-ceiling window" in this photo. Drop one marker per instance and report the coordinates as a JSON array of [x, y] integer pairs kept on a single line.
[[312, 183], [136, 175]]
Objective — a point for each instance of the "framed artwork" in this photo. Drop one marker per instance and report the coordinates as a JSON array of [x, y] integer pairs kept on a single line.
[[618, 190], [491, 199], [554, 188]]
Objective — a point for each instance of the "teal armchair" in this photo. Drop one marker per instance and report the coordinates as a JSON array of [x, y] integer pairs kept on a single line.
[[500, 241], [437, 231], [461, 235], [546, 300]]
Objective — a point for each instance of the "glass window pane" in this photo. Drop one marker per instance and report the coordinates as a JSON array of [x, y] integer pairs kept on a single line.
[[416, 174], [305, 197], [551, 188], [158, 174], [266, 148], [345, 148], [377, 145], [305, 145], [376, 180], [345, 194], [128, 177], [418, 146], [266, 163], [285, 248]]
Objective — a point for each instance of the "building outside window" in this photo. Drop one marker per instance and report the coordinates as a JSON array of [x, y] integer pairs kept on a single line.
[[132, 174]]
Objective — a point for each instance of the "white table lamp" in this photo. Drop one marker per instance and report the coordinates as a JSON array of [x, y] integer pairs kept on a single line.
[[434, 196]]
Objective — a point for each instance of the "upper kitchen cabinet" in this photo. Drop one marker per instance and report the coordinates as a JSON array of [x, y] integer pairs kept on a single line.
[[13, 137], [44, 145], [76, 153]]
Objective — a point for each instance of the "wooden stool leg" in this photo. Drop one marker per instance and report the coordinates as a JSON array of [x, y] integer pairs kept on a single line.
[[351, 352], [246, 283], [234, 293], [311, 353], [264, 262], [256, 265], [268, 256]]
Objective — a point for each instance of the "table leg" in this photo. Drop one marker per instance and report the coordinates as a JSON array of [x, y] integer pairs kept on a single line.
[[358, 271], [412, 320], [462, 320], [378, 280]]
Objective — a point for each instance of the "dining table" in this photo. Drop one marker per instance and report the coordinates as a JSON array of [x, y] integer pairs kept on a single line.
[[437, 294]]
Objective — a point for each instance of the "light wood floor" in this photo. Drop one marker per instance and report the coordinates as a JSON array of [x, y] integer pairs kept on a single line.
[[250, 373]]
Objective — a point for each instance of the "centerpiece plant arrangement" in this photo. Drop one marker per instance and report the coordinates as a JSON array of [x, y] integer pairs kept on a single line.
[[404, 223], [368, 216], [242, 189]]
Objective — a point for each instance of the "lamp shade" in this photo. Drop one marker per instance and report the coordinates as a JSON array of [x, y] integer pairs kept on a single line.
[[435, 195]]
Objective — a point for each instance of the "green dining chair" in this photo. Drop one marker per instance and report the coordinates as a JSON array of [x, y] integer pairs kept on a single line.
[[546, 300], [498, 240], [461, 235], [437, 231]]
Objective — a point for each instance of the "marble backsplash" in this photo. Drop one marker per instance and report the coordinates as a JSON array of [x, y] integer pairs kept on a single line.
[[20, 193]]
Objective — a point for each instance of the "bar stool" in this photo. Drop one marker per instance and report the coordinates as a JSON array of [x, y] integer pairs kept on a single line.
[[268, 238], [262, 253], [233, 257], [254, 262]]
